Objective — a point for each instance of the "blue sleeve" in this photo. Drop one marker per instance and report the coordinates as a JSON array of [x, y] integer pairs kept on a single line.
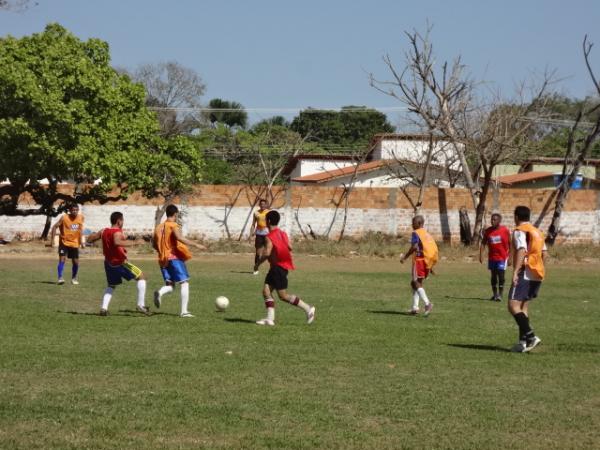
[[414, 238]]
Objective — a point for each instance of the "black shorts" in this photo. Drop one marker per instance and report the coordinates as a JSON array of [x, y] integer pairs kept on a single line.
[[69, 252], [277, 278], [260, 240], [524, 289]]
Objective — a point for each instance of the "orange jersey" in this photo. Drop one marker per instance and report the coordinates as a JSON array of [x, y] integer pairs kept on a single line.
[[261, 222], [168, 246], [70, 230], [535, 247], [429, 248]]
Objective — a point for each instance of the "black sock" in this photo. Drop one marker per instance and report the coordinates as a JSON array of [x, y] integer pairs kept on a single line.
[[525, 331]]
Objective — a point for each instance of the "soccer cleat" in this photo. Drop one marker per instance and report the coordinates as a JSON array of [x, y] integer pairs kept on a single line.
[[493, 298], [414, 312], [310, 315], [60, 281], [157, 297], [75, 281], [498, 299], [519, 347], [103, 313], [265, 321], [428, 309], [532, 343], [186, 315], [143, 309], [256, 272]]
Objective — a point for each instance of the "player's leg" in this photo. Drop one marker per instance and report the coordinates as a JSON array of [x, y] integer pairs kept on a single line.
[[295, 300], [518, 307], [501, 280], [269, 304], [74, 256], [113, 279], [494, 282], [414, 284], [259, 245], [62, 259], [132, 272], [421, 272], [167, 288]]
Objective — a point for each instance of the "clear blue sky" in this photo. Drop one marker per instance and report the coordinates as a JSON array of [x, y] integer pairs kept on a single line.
[[284, 54]]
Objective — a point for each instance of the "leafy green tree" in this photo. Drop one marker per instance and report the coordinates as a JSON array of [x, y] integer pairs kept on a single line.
[[228, 113], [353, 125], [67, 116]]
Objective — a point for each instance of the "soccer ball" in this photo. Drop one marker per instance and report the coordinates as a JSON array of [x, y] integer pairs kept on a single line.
[[221, 303]]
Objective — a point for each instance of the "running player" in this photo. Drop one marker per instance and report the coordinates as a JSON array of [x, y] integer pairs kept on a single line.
[[173, 251], [116, 265], [279, 253], [425, 256], [70, 240], [529, 252], [497, 240], [260, 230]]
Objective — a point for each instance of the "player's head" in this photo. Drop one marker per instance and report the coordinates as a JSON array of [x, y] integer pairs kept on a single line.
[[116, 219], [171, 211], [73, 209], [273, 218], [262, 203], [496, 219], [418, 222], [522, 214]]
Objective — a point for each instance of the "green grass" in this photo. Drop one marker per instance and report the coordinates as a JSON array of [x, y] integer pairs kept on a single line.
[[364, 375]]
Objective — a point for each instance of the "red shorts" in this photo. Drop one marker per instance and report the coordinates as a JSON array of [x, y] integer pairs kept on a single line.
[[420, 271]]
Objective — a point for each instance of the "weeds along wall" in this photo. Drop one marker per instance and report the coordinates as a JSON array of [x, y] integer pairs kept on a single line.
[[225, 212]]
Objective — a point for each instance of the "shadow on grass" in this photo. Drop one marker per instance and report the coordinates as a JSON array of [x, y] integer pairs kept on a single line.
[[491, 348], [395, 313], [46, 282], [239, 320], [449, 297], [241, 271], [120, 313]]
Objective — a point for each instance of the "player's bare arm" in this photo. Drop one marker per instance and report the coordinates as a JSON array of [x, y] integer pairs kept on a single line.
[[266, 254], [53, 231], [120, 240], [188, 242], [481, 245], [411, 250], [519, 260], [94, 236]]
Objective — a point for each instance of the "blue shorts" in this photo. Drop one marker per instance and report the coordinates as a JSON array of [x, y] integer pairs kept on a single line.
[[116, 274], [497, 265], [175, 272]]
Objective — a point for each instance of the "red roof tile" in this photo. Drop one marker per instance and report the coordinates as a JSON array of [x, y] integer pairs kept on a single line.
[[522, 177], [327, 175]]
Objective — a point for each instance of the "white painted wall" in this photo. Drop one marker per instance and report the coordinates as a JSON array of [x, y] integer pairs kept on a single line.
[[414, 150], [311, 166]]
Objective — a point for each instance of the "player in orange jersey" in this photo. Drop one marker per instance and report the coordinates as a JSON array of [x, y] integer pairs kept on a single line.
[[173, 252], [279, 253], [260, 230], [425, 256], [529, 252], [70, 240]]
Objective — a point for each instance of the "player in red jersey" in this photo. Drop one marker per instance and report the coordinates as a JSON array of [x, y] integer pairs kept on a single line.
[[497, 239], [116, 265], [278, 252]]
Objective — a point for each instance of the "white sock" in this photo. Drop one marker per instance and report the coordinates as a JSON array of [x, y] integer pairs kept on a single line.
[[415, 300], [141, 293], [423, 295], [108, 292], [165, 290], [185, 297], [295, 300], [271, 314]]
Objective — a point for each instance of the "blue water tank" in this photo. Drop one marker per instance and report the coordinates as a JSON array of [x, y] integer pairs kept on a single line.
[[577, 182]]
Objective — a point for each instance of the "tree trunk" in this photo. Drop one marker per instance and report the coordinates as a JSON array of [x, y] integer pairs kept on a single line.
[[465, 226], [46, 229], [481, 207]]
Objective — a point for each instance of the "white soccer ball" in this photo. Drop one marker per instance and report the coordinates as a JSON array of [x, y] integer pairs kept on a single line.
[[221, 303]]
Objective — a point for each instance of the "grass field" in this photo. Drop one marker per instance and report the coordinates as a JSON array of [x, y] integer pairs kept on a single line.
[[364, 375]]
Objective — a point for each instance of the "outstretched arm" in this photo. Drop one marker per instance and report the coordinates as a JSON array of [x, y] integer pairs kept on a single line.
[[185, 241], [53, 230], [94, 236]]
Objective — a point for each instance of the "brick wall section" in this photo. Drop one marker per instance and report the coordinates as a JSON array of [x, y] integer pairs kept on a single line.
[[215, 212]]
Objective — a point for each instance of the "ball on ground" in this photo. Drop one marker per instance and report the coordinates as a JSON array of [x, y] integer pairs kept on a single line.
[[221, 303]]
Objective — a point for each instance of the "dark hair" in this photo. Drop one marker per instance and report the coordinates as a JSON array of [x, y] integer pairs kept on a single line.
[[70, 206], [498, 215], [523, 213], [115, 217], [273, 218], [260, 200], [418, 220], [171, 210]]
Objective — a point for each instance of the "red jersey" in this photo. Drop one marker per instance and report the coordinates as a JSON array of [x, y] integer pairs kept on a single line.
[[114, 255], [280, 255], [497, 240]]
